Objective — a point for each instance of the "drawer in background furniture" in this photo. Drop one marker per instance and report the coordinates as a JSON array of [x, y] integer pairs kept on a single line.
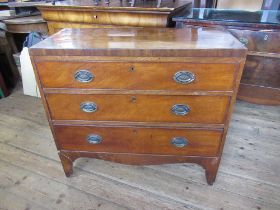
[[262, 71], [260, 41], [138, 108], [259, 94], [55, 27], [137, 76], [139, 140]]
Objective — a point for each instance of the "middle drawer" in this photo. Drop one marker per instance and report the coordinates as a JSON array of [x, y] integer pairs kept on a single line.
[[138, 108]]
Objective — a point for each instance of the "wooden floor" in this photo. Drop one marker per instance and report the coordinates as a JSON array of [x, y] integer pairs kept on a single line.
[[31, 175]]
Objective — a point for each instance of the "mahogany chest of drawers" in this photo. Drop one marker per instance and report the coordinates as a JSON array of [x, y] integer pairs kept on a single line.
[[139, 96]]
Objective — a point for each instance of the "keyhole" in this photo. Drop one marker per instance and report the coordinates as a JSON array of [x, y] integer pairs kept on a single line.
[[131, 69], [265, 37], [133, 99]]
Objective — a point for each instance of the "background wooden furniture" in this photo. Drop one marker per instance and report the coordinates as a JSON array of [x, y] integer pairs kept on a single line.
[[24, 7], [87, 14], [124, 96], [3, 88], [26, 24], [23, 25], [204, 3], [13, 31], [260, 33], [3, 7], [252, 5], [8, 67]]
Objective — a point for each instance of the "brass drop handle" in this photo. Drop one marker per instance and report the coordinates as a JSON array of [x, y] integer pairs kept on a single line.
[[84, 76], [88, 107], [180, 109], [184, 77], [179, 142], [94, 139]]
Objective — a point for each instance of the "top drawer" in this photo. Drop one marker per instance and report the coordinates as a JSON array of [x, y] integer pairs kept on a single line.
[[259, 41], [136, 76]]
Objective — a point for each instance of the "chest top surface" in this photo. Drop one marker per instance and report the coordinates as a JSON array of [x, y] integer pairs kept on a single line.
[[157, 42]]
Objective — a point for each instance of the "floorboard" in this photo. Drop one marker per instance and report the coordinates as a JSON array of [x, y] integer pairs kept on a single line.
[[31, 175]]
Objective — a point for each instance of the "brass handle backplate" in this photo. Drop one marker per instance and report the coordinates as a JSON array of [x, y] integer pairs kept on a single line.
[[94, 139], [180, 109], [88, 107], [84, 76], [184, 77], [179, 142]]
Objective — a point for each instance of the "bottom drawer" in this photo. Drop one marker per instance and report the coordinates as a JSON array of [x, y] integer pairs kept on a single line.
[[172, 141]]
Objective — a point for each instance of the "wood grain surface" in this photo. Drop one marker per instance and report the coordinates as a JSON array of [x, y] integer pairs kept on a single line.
[[259, 41], [262, 71], [139, 140], [55, 27], [26, 24], [137, 75], [259, 95], [90, 14], [139, 108], [143, 42]]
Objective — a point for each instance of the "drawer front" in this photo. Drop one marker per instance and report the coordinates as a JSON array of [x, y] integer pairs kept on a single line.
[[262, 71], [136, 76], [139, 140], [138, 108], [260, 41]]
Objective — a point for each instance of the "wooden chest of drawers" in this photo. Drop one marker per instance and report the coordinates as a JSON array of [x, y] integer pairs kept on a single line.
[[139, 96]]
